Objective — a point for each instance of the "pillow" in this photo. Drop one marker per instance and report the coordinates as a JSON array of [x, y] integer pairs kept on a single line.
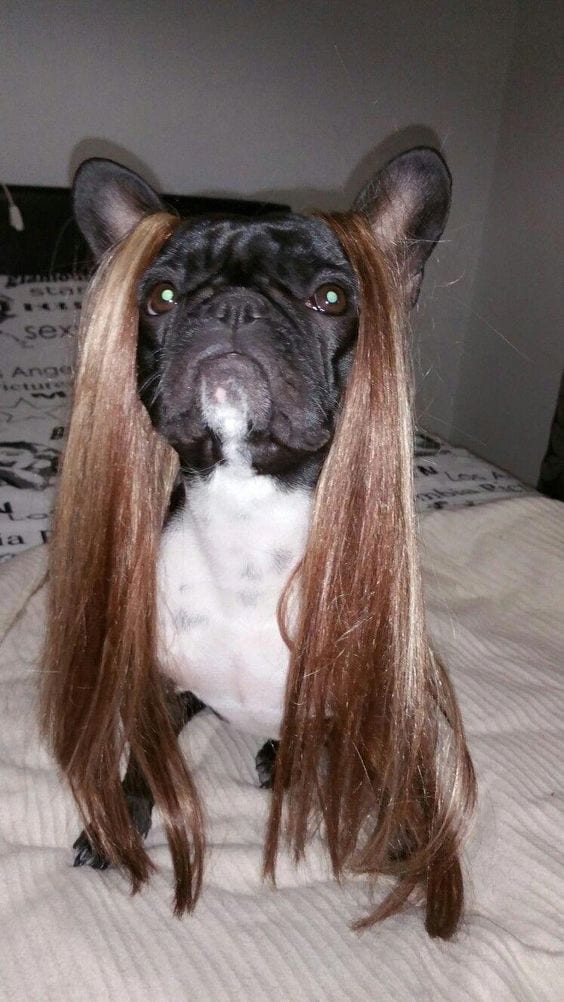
[[448, 476], [38, 322]]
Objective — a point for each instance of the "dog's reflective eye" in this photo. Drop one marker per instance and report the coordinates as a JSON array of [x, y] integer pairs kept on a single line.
[[161, 299], [328, 299]]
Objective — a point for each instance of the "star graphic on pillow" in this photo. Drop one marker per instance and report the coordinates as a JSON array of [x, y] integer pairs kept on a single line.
[[25, 410]]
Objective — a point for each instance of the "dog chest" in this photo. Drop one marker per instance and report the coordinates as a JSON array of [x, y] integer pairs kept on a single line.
[[224, 562]]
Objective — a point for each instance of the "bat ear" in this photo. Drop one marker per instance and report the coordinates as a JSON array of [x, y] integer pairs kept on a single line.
[[109, 200], [407, 204]]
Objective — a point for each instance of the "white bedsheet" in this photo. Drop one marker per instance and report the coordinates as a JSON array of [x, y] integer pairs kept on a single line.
[[495, 594]]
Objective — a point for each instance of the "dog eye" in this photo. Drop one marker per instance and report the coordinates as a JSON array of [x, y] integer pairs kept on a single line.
[[161, 299], [328, 299]]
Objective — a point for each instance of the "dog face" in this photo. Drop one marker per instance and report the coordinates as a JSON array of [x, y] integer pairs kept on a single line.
[[248, 326]]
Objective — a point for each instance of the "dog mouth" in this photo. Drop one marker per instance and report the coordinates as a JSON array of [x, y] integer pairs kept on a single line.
[[233, 399]]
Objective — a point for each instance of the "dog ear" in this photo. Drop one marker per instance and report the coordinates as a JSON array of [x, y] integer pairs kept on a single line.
[[109, 200], [407, 204]]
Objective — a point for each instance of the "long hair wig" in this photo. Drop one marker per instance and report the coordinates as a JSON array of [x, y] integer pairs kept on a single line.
[[372, 745]]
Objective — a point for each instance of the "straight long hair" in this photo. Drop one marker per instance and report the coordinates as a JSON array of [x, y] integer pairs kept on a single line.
[[372, 744], [101, 687]]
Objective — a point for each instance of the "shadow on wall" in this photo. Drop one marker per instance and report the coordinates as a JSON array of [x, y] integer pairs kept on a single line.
[[300, 199]]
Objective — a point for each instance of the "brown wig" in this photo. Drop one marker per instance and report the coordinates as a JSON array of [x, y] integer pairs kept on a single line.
[[101, 688], [372, 743]]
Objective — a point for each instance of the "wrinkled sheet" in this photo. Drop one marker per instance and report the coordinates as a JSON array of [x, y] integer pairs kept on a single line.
[[494, 579]]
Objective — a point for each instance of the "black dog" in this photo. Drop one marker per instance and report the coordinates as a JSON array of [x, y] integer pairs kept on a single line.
[[246, 337]]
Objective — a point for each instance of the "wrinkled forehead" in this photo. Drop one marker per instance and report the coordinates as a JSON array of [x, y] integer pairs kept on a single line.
[[287, 245]]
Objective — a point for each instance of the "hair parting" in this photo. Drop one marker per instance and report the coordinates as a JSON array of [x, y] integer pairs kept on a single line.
[[101, 688], [372, 742]]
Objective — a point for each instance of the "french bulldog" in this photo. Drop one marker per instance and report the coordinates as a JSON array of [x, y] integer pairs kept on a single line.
[[246, 337]]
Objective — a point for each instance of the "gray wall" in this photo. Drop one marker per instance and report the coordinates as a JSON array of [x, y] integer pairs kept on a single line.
[[514, 346], [287, 100]]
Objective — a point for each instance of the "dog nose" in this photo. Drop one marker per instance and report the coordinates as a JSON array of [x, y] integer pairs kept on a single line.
[[236, 307]]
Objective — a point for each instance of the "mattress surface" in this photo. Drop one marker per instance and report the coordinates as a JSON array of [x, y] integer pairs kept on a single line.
[[494, 578]]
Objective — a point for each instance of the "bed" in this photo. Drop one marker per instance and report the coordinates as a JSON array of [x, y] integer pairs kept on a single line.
[[493, 553]]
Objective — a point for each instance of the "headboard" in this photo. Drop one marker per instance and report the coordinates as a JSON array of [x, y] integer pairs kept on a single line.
[[51, 243]]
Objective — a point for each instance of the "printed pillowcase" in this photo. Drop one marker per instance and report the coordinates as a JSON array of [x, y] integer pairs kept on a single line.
[[38, 322], [447, 476]]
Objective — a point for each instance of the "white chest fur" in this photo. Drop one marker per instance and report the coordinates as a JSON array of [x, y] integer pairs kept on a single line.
[[224, 562]]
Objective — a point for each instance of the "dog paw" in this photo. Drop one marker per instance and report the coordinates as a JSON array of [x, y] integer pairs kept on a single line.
[[265, 763], [140, 811], [87, 855]]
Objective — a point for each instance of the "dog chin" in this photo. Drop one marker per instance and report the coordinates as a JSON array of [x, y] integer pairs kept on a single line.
[[225, 436]]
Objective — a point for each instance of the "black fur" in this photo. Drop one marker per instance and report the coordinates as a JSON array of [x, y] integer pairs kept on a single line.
[[243, 287]]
